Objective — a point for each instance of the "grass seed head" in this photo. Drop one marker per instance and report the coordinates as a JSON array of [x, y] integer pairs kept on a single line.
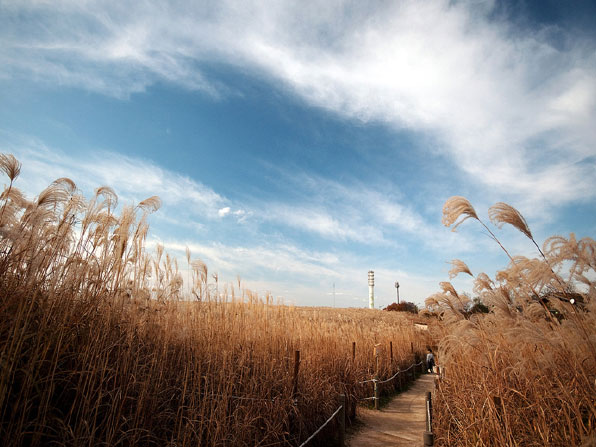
[[10, 165], [458, 267], [501, 213], [457, 207]]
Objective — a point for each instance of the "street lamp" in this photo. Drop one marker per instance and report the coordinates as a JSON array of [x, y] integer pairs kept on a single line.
[[397, 290]]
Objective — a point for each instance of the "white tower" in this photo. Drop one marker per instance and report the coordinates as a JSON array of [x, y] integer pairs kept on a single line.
[[371, 289]]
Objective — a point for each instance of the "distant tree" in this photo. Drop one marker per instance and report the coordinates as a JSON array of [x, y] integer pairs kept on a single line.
[[404, 306], [427, 313], [478, 307]]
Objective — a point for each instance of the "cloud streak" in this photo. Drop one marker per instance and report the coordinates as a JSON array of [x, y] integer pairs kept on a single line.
[[134, 179], [372, 215], [513, 110], [303, 276], [497, 98], [267, 263], [329, 210]]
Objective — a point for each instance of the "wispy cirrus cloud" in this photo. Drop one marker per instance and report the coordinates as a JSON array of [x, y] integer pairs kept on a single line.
[[133, 179], [339, 214], [328, 209], [303, 276], [267, 264], [350, 211], [497, 98]]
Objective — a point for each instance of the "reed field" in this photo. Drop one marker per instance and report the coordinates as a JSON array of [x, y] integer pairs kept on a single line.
[[523, 374], [103, 343]]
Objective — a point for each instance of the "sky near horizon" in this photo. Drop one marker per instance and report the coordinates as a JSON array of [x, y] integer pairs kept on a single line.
[[298, 145]]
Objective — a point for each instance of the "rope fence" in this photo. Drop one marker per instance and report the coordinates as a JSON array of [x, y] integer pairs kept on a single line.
[[399, 372], [272, 400], [311, 437], [342, 407], [341, 410], [413, 365], [280, 398]]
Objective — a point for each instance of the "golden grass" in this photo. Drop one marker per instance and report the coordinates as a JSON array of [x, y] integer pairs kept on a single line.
[[97, 349], [525, 373]]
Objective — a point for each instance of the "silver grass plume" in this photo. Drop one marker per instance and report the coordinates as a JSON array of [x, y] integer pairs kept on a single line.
[[501, 213], [151, 204], [458, 267], [482, 282], [10, 165], [109, 195], [456, 207]]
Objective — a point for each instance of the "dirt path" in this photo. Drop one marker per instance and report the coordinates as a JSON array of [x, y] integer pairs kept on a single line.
[[400, 423]]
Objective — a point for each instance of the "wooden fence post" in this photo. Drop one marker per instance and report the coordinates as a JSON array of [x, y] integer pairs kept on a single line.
[[342, 419], [296, 368], [391, 352], [429, 411], [428, 437], [499, 407], [376, 382], [391, 364], [353, 402]]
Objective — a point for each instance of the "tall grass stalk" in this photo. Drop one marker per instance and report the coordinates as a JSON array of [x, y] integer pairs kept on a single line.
[[525, 373], [97, 347]]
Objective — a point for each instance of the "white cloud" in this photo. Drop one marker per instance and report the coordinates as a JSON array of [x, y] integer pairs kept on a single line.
[[301, 276], [321, 221], [267, 264], [240, 214], [374, 215], [496, 98], [133, 179], [331, 210]]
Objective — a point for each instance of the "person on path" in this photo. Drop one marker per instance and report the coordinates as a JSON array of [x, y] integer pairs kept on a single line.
[[430, 361]]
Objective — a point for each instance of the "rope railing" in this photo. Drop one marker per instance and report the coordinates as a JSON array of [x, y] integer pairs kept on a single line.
[[394, 375], [311, 437], [379, 382], [278, 398], [335, 413], [375, 381], [261, 399]]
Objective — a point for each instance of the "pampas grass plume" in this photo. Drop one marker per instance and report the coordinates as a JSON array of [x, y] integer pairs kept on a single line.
[[501, 213], [458, 267], [10, 165], [456, 207]]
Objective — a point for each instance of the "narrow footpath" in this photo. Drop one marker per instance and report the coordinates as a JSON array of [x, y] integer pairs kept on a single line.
[[400, 423]]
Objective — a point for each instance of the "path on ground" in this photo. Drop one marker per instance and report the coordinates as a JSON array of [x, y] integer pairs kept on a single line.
[[400, 423]]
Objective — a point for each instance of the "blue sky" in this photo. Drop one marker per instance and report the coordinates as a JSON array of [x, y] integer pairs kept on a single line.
[[301, 144]]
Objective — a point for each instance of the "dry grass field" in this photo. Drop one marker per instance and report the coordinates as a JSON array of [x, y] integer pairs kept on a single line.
[[525, 373], [97, 346]]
